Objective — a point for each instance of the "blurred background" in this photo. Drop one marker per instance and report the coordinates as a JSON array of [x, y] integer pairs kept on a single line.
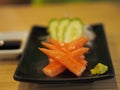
[[17, 17], [38, 2]]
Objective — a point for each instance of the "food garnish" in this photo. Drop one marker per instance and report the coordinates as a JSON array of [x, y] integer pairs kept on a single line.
[[99, 69], [65, 29]]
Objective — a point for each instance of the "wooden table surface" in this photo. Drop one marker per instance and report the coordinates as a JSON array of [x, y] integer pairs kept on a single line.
[[22, 18]]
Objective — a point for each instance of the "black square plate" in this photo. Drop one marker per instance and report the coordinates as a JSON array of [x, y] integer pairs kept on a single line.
[[32, 61]]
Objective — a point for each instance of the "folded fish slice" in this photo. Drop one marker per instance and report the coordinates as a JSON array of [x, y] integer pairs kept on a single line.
[[53, 69], [79, 52], [78, 43], [73, 65]]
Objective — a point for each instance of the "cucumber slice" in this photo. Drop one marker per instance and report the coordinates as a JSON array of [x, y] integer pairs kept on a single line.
[[52, 28], [74, 30], [62, 28]]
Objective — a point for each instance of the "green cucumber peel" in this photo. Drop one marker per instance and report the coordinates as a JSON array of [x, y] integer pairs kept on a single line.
[[52, 28], [74, 30], [63, 24]]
